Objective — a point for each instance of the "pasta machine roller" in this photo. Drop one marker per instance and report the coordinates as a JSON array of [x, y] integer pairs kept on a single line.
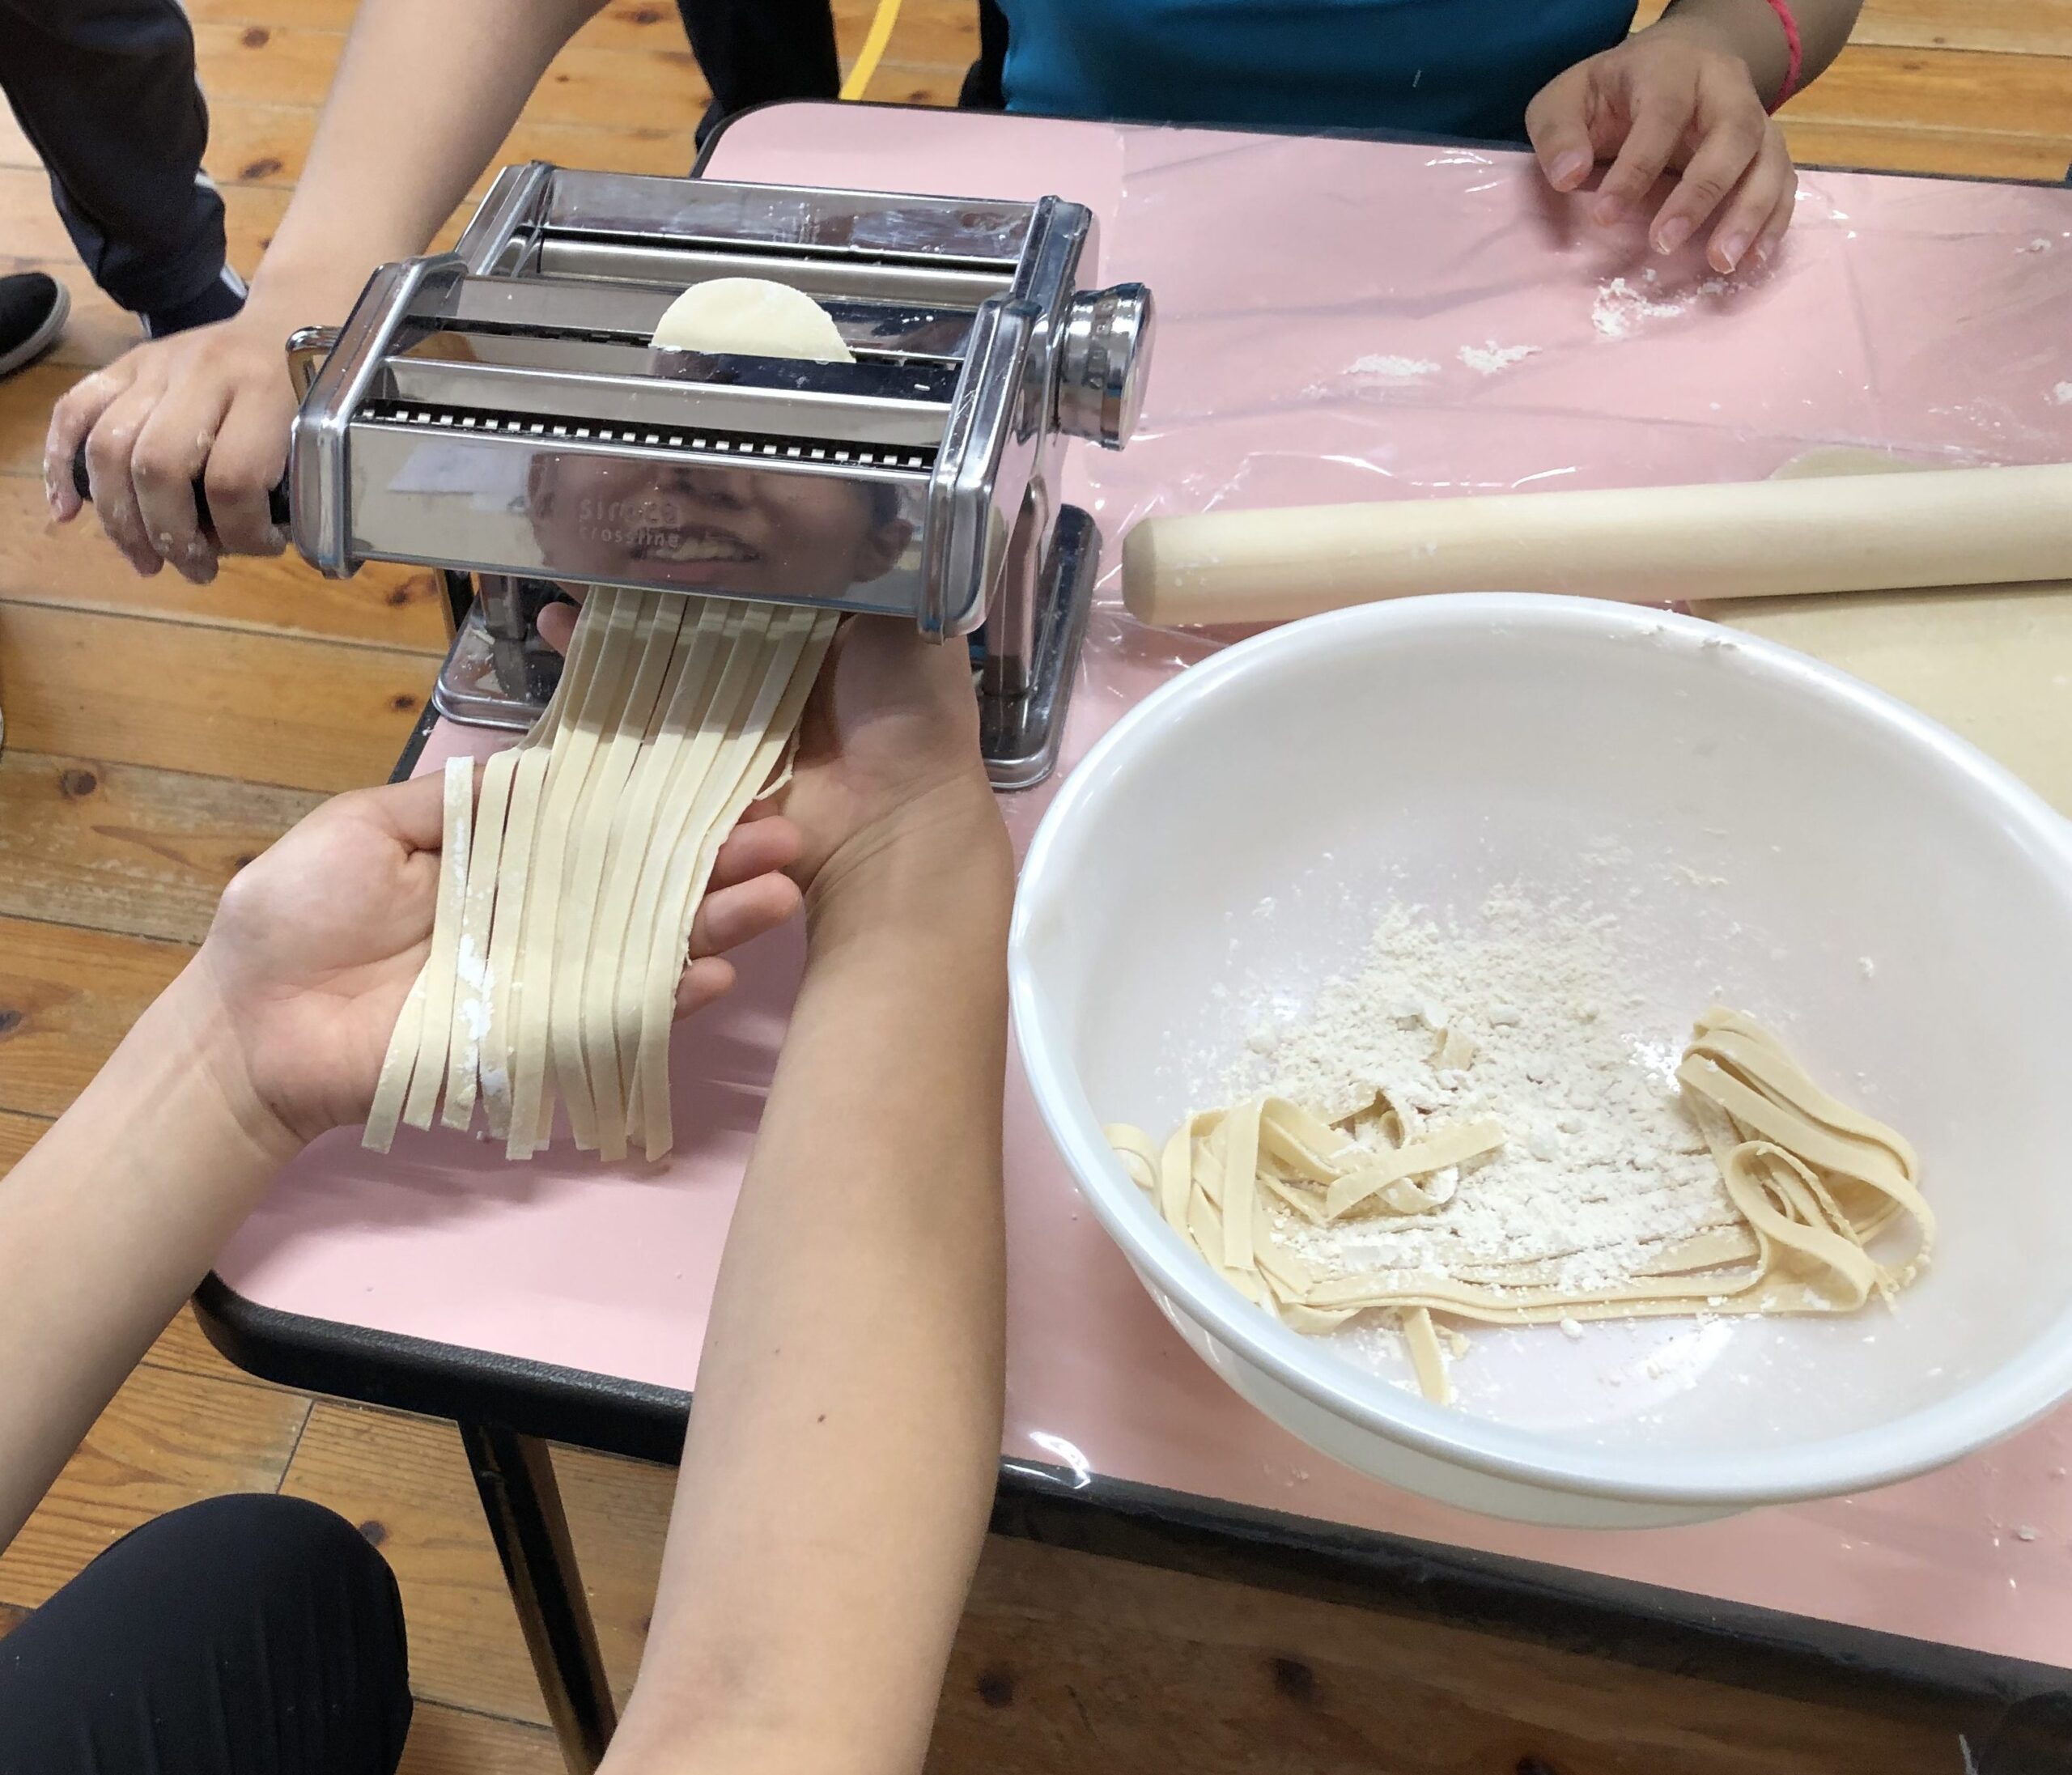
[[500, 413]]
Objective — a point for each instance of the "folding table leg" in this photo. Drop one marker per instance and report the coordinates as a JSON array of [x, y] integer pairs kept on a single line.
[[515, 1476]]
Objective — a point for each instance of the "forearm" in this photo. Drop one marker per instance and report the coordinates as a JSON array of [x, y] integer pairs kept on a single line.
[[840, 1465], [108, 1225], [422, 98], [1752, 29]]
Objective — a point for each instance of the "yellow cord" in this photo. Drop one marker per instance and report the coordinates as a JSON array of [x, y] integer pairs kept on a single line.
[[880, 34]]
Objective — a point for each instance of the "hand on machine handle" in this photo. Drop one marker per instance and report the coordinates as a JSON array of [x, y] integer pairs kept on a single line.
[[212, 406], [277, 496]]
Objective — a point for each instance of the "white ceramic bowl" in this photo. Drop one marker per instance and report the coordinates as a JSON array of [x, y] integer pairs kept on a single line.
[[1766, 828]]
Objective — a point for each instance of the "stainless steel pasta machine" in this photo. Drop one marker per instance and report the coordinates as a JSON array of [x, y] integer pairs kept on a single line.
[[498, 413]]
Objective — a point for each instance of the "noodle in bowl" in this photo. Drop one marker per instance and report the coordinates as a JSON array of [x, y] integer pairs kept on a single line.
[[1764, 831]]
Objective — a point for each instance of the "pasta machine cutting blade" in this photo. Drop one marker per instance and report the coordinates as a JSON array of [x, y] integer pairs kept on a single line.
[[499, 413]]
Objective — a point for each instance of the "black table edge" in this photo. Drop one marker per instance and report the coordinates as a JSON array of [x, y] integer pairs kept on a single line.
[[1648, 1626]]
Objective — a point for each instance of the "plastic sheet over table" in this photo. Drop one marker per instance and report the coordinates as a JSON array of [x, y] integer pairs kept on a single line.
[[1304, 285], [1369, 321]]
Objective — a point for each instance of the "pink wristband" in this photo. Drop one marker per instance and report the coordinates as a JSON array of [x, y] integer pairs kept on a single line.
[[1793, 48]]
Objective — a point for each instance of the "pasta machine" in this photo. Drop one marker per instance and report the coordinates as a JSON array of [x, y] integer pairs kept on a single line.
[[498, 413]]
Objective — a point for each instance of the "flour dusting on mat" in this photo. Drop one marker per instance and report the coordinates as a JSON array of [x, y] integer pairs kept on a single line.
[[1396, 369], [1488, 359], [1523, 1016], [2062, 394], [1622, 307]]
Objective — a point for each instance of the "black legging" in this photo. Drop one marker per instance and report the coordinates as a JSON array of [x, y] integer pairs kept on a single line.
[[105, 90], [244, 1636]]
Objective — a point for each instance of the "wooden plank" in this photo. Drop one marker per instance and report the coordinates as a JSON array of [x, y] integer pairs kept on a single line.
[[2031, 27], [1890, 149], [165, 1440], [287, 65], [1942, 89], [447, 1741], [144, 853], [2028, 27], [183, 1349], [913, 83], [17, 1134], [75, 568], [618, 1512], [26, 399], [306, 715], [624, 24], [1067, 1664], [256, 144], [67, 996]]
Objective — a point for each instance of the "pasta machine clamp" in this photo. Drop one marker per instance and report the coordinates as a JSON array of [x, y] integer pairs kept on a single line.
[[499, 413]]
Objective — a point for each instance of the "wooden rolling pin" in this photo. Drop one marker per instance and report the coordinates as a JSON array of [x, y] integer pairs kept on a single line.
[[1856, 533]]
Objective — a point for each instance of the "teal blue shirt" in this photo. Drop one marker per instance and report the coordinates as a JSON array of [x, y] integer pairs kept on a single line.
[[1425, 67]]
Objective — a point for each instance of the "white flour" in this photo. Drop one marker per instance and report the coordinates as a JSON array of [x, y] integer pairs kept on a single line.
[[2062, 394], [1600, 1163], [1396, 369], [1621, 306], [1489, 359]]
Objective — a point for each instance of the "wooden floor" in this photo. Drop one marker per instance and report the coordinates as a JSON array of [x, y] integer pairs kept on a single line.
[[158, 735]]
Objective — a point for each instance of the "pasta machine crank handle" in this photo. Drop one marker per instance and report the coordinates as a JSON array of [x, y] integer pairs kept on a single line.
[[277, 496]]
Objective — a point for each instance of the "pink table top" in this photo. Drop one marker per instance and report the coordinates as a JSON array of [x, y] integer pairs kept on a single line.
[[1338, 320]]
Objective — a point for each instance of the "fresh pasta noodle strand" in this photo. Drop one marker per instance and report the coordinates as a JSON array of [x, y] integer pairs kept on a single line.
[[690, 677], [387, 1113], [395, 1096], [1809, 1181], [1426, 1358], [471, 961], [687, 798], [796, 647], [568, 776], [657, 621], [514, 878], [437, 1016]]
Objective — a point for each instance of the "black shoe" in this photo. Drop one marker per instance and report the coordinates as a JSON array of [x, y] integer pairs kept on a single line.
[[33, 311]]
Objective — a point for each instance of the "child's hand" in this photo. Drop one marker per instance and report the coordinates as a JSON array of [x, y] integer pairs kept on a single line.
[[214, 403], [889, 748], [1674, 94], [316, 943]]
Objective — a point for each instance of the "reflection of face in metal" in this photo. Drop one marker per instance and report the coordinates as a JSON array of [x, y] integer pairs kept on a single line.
[[756, 532]]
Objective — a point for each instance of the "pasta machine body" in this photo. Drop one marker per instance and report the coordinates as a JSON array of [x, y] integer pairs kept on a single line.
[[498, 413]]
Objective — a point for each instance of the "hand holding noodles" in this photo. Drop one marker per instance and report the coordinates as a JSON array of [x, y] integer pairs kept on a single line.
[[566, 899]]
